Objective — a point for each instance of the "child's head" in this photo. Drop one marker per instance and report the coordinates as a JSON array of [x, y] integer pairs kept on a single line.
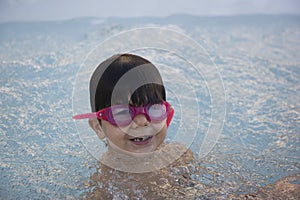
[[129, 105], [103, 83]]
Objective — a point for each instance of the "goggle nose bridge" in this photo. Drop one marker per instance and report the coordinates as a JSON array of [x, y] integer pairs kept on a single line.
[[139, 111]]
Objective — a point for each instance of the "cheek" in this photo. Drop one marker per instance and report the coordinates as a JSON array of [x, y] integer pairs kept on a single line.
[[113, 133], [104, 127], [160, 137], [163, 132], [108, 129], [159, 127]]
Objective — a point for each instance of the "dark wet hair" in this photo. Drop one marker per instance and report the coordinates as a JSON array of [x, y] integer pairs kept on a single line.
[[125, 78]]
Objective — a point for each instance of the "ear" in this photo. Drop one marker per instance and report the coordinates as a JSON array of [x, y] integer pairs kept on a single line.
[[95, 125]]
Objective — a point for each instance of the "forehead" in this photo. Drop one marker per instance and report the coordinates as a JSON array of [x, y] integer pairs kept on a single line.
[[147, 94]]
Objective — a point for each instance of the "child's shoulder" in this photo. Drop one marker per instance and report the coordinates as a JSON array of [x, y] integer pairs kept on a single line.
[[152, 184]]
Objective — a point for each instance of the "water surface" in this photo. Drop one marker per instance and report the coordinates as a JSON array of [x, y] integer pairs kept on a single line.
[[42, 155]]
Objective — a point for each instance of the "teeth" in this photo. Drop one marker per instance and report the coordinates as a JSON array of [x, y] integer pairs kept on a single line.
[[140, 139]]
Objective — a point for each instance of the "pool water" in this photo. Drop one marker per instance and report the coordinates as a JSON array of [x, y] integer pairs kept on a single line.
[[43, 157]]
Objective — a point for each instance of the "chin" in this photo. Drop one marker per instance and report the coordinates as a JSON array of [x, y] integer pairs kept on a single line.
[[147, 149]]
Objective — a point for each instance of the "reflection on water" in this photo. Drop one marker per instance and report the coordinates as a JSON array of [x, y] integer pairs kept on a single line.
[[177, 181], [257, 155]]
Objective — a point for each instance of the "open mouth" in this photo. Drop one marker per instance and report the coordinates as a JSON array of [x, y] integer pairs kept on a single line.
[[141, 140]]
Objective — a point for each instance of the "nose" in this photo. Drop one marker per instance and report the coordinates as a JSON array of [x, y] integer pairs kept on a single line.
[[140, 120]]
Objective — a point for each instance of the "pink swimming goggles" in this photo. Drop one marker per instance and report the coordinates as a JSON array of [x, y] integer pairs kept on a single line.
[[122, 115]]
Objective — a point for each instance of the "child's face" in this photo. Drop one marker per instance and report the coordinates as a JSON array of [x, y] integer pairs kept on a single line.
[[140, 136]]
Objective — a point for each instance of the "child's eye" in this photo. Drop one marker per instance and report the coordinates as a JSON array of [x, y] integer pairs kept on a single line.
[[121, 111], [157, 110], [121, 114]]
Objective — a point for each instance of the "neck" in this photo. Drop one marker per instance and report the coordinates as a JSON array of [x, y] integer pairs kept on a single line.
[[126, 161]]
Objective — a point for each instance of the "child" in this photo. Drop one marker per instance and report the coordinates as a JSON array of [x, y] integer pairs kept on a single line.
[[130, 112]]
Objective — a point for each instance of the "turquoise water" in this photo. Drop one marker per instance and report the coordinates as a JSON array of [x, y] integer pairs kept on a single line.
[[42, 155]]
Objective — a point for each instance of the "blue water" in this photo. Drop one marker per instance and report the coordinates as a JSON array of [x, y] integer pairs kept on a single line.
[[258, 57]]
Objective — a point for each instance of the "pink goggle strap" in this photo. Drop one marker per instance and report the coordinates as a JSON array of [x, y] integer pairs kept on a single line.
[[86, 115]]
